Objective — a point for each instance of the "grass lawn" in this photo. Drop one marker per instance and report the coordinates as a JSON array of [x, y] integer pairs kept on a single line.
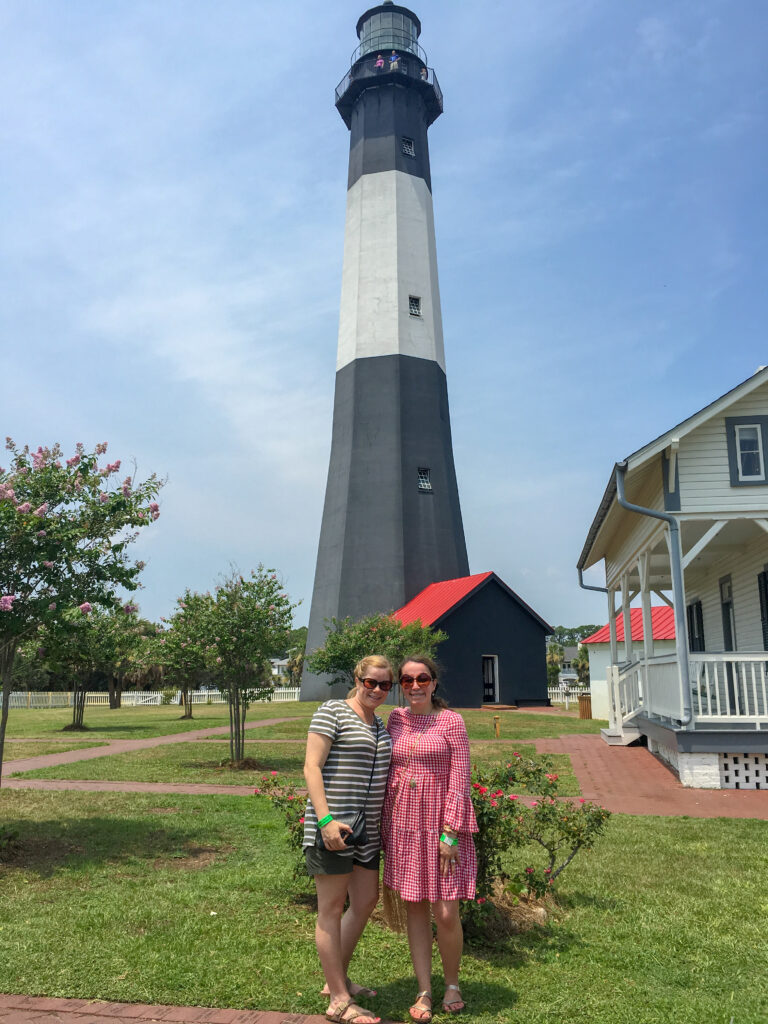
[[12, 751], [200, 763], [190, 900], [141, 723]]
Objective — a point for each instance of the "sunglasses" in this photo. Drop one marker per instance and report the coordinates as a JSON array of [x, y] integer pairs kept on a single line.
[[371, 684], [422, 679]]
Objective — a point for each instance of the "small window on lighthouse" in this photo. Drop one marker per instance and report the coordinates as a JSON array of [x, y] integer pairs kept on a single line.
[[414, 305], [409, 147], [425, 484]]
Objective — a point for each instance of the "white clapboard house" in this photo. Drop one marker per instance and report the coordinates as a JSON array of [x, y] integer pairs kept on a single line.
[[685, 520]]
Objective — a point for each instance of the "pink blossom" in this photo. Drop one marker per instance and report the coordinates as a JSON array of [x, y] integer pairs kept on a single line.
[[529, 871], [74, 461], [547, 871], [256, 791], [103, 498], [52, 606], [582, 800], [494, 803], [480, 899], [534, 803], [101, 447], [25, 507], [6, 602], [513, 796], [273, 773], [163, 640], [301, 821], [41, 533], [291, 797], [218, 661], [126, 490], [85, 608], [141, 514], [48, 565], [42, 510]]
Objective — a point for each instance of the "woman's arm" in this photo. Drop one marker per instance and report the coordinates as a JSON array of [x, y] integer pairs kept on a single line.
[[318, 748]]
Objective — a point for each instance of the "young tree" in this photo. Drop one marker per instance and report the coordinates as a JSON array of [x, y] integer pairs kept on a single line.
[[347, 642], [65, 530], [184, 647], [250, 622]]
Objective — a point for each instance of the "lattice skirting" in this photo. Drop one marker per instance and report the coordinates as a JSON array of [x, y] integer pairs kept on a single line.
[[744, 771]]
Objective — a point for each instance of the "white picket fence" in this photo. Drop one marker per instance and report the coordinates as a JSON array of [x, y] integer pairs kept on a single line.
[[565, 694], [63, 699]]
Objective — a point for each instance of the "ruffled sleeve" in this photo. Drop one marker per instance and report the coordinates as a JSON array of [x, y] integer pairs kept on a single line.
[[459, 813]]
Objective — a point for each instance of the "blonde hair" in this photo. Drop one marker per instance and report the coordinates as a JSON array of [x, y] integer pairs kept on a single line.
[[373, 661]]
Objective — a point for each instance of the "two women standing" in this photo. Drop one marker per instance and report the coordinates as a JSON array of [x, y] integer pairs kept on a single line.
[[427, 824]]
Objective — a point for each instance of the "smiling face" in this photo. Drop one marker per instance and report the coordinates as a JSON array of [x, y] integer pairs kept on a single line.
[[418, 695], [371, 699]]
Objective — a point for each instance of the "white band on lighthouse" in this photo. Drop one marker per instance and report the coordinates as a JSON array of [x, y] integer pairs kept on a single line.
[[389, 257]]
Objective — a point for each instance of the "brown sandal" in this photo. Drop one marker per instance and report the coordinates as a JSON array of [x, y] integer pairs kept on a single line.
[[359, 1015], [424, 1012]]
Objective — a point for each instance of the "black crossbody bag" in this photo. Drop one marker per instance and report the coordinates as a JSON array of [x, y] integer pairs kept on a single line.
[[359, 835]]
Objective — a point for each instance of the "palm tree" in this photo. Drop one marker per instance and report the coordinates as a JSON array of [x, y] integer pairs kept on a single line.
[[581, 663]]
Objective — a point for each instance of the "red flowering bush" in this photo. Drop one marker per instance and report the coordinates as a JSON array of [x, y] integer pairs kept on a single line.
[[291, 805], [508, 818]]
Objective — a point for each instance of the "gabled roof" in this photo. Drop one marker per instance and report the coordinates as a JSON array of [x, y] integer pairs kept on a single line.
[[653, 448], [662, 625], [435, 601]]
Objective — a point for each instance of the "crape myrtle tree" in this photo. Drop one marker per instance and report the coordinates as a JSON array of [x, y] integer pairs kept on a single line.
[[347, 641], [65, 530], [82, 645], [184, 643], [249, 622]]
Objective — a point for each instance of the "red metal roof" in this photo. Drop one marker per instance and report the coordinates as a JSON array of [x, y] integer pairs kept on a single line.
[[662, 621], [438, 598]]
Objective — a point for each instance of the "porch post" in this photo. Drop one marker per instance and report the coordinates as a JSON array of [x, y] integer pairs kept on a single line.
[[681, 626], [612, 627], [644, 568], [627, 615]]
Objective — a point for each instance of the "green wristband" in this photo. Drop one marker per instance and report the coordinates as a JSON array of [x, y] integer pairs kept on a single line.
[[324, 821], [448, 840]]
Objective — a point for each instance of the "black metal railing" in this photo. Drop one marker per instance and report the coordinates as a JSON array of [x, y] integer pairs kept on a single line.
[[385, 42], [409, 68]]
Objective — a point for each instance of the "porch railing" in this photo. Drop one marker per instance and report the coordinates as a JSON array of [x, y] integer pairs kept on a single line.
[[730, 686]]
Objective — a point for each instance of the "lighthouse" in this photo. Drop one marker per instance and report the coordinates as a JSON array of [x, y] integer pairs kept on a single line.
[[391, 520]]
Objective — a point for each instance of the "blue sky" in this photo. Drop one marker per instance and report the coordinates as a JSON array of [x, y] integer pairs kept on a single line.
[[172, 196]]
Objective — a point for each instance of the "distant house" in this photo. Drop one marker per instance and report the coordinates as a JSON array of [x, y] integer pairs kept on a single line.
[[687, 516], [496, 648], [568, 676], [599, 649]]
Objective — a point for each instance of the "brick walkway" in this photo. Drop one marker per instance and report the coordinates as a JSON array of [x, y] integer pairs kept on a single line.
[[40, 1010]]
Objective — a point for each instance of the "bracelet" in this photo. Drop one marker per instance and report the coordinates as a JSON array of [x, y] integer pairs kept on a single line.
[[448, 840], [324, 821]]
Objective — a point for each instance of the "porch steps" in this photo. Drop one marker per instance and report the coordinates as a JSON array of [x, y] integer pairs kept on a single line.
[[616, 739]]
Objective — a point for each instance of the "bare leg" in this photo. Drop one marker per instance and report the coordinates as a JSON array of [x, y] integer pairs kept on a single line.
[[331, 894], [450, 940], [363, 889], [420, 943]]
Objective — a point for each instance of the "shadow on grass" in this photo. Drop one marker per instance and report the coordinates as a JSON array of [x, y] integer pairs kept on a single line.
[[45, 847], [394, 997], [538, 945]]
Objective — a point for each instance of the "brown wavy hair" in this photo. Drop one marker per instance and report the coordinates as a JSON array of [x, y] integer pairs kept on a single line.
[[432, 667]]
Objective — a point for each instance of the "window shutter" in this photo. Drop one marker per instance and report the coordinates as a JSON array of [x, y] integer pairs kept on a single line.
[[762, 586]]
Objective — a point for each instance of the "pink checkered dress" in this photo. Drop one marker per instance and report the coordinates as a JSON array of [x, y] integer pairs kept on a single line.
[[428, 788]]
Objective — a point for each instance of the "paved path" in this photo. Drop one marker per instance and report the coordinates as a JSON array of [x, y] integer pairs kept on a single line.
[[628, 780], [40, 1010], [28, 764]]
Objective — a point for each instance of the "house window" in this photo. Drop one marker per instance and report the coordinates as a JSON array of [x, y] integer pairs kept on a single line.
[[425, 483], [409, 147], [695, 626], [414, 305], [747, 445]]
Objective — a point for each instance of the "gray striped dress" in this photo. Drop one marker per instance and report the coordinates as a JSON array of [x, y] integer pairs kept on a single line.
[[347, 770]]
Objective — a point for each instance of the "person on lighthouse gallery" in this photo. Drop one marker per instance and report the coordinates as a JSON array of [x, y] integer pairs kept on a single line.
[[346, 767], [427, 827]]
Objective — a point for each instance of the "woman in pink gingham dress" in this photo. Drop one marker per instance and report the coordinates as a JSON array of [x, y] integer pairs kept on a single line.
[[427, 826]]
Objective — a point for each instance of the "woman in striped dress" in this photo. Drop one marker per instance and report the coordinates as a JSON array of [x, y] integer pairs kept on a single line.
[[428, 822], [346, 766]]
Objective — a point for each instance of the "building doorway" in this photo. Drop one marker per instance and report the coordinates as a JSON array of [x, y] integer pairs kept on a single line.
[[490, 679]]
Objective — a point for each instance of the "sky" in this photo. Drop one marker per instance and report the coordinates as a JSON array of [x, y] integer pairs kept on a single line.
[[172, 199]]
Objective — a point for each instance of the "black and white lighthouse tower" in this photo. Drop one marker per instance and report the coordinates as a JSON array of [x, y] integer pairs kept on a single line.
[[391, 521]]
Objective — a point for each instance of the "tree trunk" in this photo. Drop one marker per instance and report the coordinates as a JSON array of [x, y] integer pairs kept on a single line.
[[187, 698], [78, 703], [115, 692], [7, 654], [231, 693]]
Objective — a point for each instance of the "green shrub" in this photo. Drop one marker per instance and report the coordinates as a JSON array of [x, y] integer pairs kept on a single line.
[[168, 696]]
